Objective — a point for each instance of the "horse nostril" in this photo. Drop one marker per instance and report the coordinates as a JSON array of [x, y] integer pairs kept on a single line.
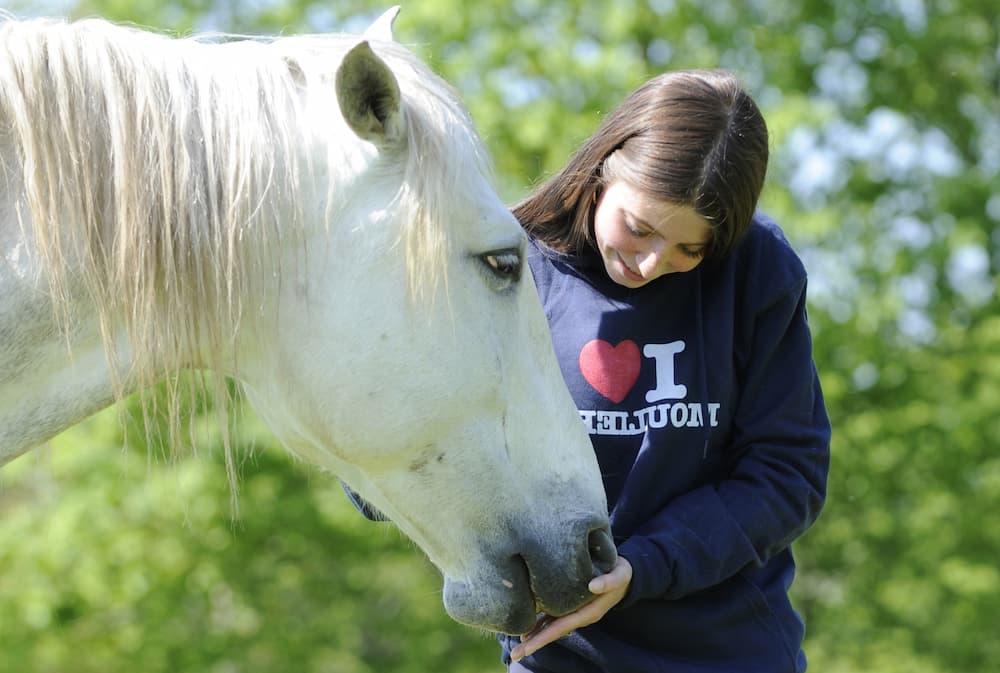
[[602, 550]]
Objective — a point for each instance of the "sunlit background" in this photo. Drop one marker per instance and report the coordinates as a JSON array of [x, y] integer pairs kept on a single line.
[[885, 128]]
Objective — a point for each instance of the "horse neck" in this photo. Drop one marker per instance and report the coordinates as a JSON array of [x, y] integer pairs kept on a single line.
[[50, 378]]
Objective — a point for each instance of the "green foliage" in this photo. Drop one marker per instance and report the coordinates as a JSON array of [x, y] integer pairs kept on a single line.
[[884, 175], [111, 562]]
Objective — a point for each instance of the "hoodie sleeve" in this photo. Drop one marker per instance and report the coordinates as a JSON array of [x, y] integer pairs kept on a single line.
[[780, 442]]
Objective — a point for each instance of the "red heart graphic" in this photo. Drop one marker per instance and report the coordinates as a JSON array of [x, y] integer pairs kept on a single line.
[[610, 370]]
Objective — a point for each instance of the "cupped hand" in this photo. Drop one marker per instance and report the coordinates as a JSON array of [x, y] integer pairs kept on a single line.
[[609, 589]]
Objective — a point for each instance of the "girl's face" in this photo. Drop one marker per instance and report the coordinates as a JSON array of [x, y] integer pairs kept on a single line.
[[641, 238]]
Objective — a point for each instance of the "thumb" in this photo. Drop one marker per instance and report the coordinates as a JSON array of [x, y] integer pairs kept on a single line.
[[620, 575]]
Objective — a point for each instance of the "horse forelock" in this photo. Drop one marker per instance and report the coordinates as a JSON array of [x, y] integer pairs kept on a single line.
[[441, 135], [443, 151]]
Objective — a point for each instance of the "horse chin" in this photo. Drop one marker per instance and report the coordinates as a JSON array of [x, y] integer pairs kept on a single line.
[[508, 602], [492, 606]]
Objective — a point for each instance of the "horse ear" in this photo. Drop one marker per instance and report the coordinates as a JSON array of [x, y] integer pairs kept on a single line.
[[369, 97], [382, 28]]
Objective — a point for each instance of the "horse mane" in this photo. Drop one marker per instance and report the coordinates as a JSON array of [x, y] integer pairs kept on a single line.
[[178, 160]]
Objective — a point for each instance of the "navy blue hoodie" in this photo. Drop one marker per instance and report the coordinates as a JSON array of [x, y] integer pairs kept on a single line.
[[705, 411]]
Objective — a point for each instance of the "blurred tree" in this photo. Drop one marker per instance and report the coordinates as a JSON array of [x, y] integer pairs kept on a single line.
[[885, 118]]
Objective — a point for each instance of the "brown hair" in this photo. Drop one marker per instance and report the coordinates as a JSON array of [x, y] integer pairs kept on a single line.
[[693, 138]]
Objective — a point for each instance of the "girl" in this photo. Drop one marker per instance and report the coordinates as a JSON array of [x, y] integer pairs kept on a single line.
[[678, 314]]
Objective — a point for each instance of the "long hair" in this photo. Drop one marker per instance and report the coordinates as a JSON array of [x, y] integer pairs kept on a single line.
[[692, 138]]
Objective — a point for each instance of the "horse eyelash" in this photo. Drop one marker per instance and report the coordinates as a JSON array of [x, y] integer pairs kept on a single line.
[[504, 263]]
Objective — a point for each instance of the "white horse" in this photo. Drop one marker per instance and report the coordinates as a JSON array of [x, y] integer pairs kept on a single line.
[[312, 217]]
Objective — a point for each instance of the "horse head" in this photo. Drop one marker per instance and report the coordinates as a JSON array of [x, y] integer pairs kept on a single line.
[[313, 217], [427, 380]]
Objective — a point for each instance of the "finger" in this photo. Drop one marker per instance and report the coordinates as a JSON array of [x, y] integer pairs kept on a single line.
[[543, 621], [598, 585], [559, 628], [609, 589], [610, 581], [549, 632]]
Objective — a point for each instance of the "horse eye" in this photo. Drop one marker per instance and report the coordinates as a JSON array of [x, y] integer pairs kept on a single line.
[[505, 264]]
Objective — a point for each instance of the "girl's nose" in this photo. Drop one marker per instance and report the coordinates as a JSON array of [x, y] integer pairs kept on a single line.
[[648, 262]]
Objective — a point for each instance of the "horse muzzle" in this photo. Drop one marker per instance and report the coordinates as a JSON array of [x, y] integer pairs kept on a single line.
[[545, 573]]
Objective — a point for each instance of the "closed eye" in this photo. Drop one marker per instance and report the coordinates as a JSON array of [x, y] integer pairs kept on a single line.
[[504, 265], [638, 233], [693, 253], [636, 229]]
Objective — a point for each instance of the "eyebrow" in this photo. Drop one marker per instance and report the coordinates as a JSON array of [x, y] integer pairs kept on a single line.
[[638, 220]]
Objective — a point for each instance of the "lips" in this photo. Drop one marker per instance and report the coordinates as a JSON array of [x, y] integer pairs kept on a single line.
[[628, 272], [504, 607]]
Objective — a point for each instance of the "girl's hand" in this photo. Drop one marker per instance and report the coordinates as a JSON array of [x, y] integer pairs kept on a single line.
[[610, 589]]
